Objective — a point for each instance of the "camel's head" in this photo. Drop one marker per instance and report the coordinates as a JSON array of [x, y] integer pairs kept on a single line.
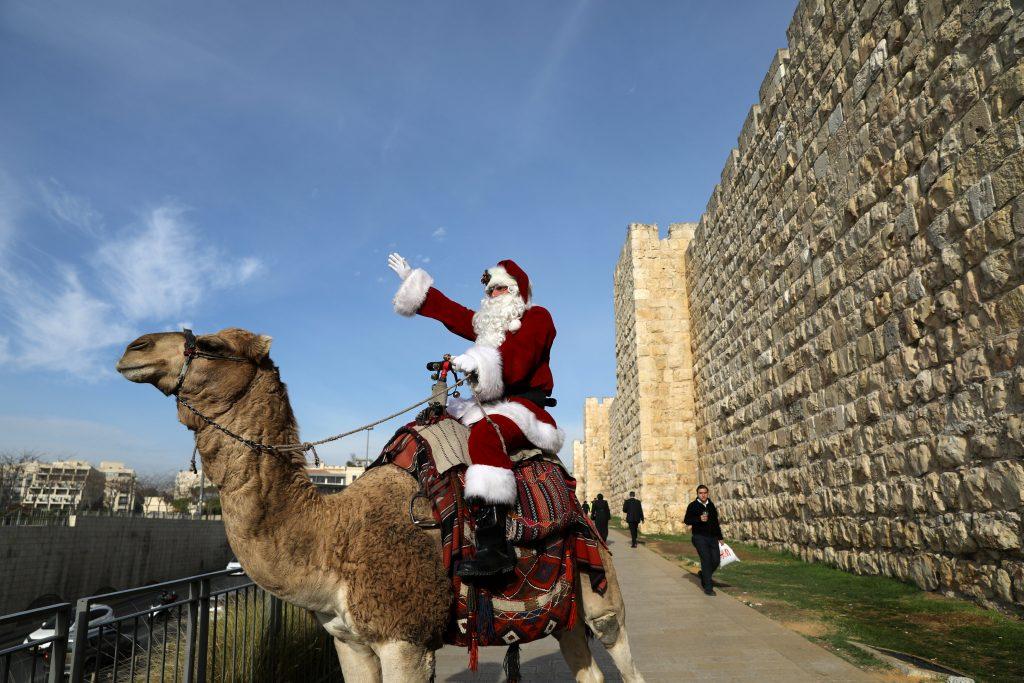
[[157, 359]]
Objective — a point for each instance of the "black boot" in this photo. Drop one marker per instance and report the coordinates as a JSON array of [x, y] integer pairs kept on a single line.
[[494, 555]]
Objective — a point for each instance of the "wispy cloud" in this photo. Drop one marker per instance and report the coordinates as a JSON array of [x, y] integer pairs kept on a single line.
[[70, 209], [163, 269], [65, 329], [65, 318], [439, 234], [540, 96]]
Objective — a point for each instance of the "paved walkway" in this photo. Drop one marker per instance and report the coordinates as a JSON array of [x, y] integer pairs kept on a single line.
[[677, 634]]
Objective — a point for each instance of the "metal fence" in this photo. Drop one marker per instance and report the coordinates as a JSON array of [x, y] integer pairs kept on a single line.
[[217, 627]]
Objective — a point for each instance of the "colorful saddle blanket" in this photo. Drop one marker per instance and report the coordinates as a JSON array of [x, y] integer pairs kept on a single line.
[[552, 536]]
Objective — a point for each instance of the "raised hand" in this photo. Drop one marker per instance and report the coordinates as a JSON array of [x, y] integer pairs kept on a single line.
[[465, 363], [398, 264]]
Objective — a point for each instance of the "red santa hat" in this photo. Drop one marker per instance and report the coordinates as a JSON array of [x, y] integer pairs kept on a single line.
[[508, 274]]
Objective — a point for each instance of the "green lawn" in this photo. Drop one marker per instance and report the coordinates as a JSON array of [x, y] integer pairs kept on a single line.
[[831, 607]]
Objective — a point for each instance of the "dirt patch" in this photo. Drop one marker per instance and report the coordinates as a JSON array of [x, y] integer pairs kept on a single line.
[[948, 620], [888, 676], [672, 548], [811, 629]]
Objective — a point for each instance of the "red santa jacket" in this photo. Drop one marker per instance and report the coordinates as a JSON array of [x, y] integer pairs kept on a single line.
[[520, 364]]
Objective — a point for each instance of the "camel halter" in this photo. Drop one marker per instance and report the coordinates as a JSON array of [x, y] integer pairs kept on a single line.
[[192, 352]]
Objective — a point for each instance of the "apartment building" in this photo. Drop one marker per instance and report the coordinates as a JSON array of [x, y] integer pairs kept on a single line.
[[331, 479], [119, 487], [63, 485], [186, 484]]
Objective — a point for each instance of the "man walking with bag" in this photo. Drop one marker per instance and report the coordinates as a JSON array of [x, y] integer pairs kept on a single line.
[[634, 512], [702, 518]]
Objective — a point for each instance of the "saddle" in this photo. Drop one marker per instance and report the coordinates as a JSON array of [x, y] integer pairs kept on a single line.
[[553, 538]]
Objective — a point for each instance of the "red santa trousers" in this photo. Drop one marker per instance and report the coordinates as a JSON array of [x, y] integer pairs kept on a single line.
[[490, 476]]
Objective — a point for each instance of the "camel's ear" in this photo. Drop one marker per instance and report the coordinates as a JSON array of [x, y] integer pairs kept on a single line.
[[262, 346]]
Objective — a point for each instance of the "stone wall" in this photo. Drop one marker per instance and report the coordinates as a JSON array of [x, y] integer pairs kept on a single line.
[[652, 446], [97, 553], [579, 469], [592, 468], [857, 295]]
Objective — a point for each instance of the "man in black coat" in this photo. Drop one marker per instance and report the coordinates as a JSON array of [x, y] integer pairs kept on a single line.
[[601, 513], [702, 517], [634, 515]]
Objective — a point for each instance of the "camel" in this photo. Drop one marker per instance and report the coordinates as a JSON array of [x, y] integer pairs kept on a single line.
[[375, 581]]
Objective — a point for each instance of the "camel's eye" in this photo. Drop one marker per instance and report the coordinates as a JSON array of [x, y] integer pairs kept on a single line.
[[140, 345]]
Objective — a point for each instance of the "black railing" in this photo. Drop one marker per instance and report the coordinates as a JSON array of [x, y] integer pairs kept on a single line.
[[217, 627]]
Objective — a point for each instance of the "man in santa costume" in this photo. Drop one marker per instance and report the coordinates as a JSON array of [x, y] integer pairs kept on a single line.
[[508, 364]]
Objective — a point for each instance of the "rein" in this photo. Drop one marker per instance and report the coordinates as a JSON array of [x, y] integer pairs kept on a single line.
[[191, 352]]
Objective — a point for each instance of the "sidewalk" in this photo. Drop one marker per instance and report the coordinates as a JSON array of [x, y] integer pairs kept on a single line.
[[677, 634]]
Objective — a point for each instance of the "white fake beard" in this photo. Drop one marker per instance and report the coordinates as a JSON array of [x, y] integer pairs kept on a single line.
[[491, 322]]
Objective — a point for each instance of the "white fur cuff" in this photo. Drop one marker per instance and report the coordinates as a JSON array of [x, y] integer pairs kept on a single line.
[[413, 292], [493, 485], [489, 384]]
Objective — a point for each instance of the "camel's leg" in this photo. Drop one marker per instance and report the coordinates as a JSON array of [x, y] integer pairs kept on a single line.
[[359, 664], [401, 661], [576, 651], [606, 616]]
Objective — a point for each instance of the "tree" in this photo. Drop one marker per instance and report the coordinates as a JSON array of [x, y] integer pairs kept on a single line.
[[114, 488], [12, 471], [150, 485]]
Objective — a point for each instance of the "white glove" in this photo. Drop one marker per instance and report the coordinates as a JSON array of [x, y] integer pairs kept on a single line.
[[399, 265], [465, 364]]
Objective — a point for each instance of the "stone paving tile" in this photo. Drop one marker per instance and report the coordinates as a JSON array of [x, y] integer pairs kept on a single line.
[[677, 634]]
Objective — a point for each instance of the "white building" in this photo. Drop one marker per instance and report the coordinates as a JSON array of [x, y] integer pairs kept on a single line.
[[186, 484], [330, 478], [63, 485], [156, 505], [119, 488]]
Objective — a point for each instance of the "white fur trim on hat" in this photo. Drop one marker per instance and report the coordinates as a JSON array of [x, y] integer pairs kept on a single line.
[[489, 384], [494, 485], [501, 278], [413, 292], [544, 436]]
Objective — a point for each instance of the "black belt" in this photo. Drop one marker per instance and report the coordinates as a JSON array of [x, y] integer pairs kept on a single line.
[[537, 397]]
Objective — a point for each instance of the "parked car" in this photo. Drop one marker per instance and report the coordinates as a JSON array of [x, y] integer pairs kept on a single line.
[[235, 566], [99, 615]]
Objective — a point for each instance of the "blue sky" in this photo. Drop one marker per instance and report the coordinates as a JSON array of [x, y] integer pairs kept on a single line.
[[251, 164]]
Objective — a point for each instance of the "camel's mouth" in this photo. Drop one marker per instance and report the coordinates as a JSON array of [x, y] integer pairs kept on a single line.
[[135, 373]]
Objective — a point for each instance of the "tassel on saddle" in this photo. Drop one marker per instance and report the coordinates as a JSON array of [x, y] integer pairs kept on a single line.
[[511, 664]]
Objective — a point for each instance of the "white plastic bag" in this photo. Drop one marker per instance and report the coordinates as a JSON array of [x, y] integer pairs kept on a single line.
[[727, 555]]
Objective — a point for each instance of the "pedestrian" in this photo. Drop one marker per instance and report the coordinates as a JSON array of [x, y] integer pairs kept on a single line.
[[634, 515], [702, 518], [601, 513], [586, 508]]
